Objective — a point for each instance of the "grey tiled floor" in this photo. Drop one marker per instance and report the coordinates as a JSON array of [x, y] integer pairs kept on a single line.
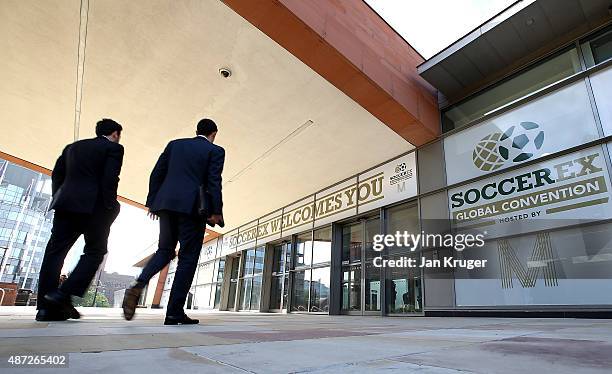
[[101, 342]]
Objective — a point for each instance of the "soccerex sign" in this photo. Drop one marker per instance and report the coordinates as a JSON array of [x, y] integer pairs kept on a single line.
[[573, 187]]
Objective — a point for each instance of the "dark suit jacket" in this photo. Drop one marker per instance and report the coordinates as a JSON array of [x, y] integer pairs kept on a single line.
[[87, 172], [184, 165]]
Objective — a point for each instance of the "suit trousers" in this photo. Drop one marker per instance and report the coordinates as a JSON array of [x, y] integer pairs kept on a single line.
[[188, 230], [67, 227]]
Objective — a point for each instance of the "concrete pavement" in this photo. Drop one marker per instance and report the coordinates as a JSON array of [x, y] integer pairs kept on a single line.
[[102, 342]]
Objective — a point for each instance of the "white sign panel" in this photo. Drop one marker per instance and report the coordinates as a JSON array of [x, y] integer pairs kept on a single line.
[[209, 250], [228, 244], [557, 192], [551, 123], [389, 183]]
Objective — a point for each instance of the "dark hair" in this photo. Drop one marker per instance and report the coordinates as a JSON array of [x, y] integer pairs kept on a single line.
[[107, 126], [206, 127]]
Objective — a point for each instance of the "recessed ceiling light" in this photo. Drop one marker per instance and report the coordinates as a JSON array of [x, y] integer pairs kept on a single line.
[[530, 21], [225, 72]]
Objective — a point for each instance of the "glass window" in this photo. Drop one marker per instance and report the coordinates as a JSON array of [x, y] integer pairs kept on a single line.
[[255, 293], [573, 266], [259, 260], [403, 287], [275, 292], [319, 297], [221, 269], [218, 296], [402, 218], [303, 253], [372, 228], [321, 251], [202, 296], [249, 262], [245, 293], [372, 288], [278, 265], [529, 80], [598, 48], [352, 240], [301, 290]]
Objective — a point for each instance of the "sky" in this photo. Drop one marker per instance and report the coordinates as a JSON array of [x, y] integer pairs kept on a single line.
[[432, 25], [428, 25], [132, 234]]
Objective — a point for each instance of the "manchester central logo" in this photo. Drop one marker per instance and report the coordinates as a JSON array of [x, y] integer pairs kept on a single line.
[[517, 144]]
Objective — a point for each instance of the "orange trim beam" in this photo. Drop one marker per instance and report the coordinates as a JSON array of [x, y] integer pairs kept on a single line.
[[350, 46]]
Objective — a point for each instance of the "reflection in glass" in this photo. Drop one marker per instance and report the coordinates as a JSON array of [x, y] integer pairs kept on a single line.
[[402, 218], [300, 294], [275, 292], [218, 296], [404, 290], [598, 48], [221, 269], [303, 249], [278, 265], [352, 237], [245, 294], [231, 299], [372, 288], [351, 288], [319, 298], [521, 84], [321, 251], [202, 297], [255, 293], [372, 228], [249, 261], [259, 260]]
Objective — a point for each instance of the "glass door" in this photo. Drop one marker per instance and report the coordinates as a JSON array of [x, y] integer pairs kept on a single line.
[[233, 286], [403, 285], [279, 288], [360, 279]]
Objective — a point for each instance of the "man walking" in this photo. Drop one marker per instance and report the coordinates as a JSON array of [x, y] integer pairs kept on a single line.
[[84, 187], [186, 167]]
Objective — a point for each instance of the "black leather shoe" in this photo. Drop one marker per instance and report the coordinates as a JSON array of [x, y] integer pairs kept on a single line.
[[130, 301], [183, 320], [62, 302], [48, 315]]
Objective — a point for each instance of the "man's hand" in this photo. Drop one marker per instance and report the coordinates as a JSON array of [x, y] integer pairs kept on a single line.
[[152, 215], [214, 219]]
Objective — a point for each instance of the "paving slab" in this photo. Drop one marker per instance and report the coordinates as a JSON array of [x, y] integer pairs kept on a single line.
[[102, 342]]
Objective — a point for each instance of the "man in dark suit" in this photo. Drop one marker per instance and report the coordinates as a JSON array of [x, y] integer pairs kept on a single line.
[[184, 166], [84, 187]]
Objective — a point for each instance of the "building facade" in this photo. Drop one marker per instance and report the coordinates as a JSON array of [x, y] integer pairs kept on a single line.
[[25, 224], [523, 159]]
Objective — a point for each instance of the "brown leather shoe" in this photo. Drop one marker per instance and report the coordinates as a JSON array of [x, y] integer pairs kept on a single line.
[[130, 301]]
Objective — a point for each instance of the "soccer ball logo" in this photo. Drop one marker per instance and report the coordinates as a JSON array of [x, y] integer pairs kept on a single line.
[[517, 144]]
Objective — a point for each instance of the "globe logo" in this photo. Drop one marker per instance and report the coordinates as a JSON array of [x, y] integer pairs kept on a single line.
[[516, 144]]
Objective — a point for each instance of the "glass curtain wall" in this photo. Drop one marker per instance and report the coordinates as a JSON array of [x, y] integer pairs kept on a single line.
[[531, 79]]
